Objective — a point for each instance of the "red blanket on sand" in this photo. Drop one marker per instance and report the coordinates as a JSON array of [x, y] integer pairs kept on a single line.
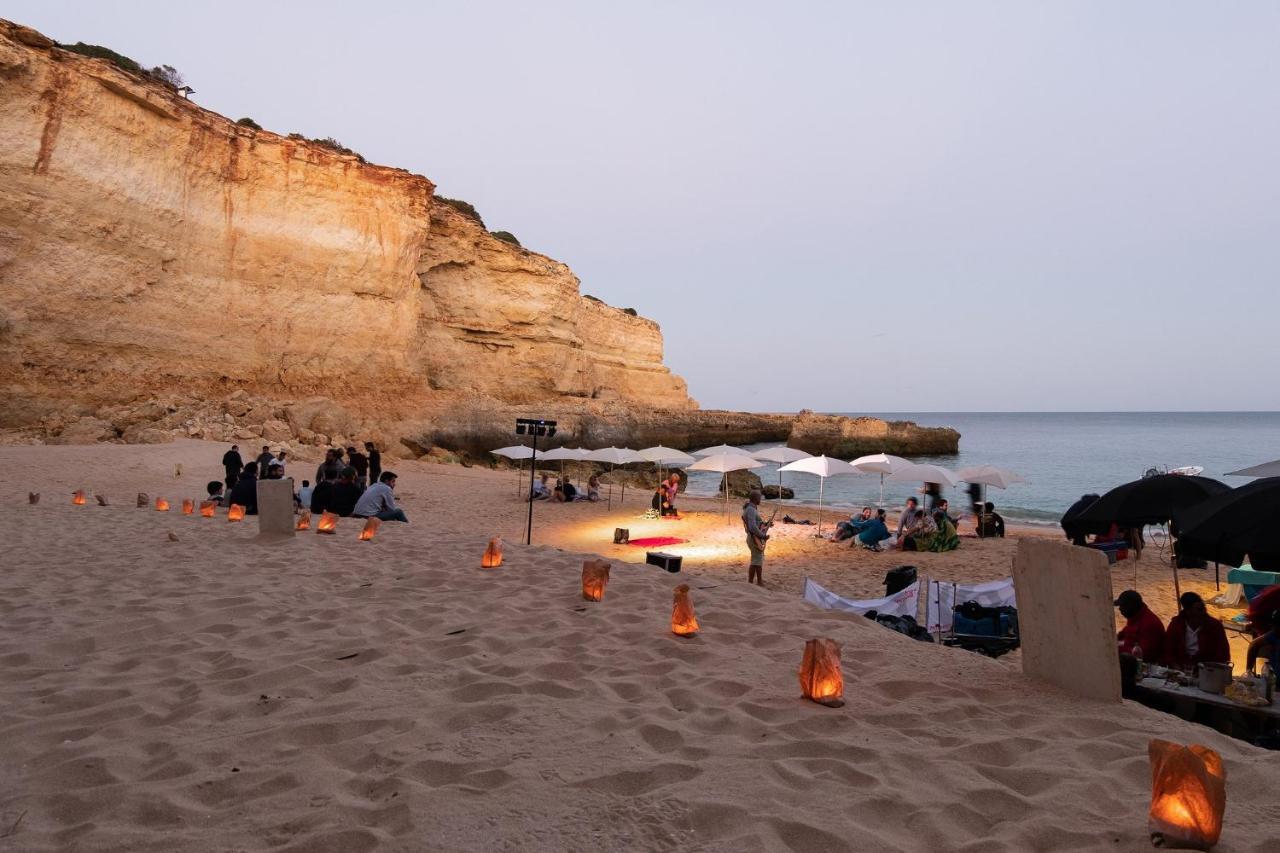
[[656, 541]]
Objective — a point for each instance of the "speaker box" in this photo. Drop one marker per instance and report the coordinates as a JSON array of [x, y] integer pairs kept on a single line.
[[670, 562]]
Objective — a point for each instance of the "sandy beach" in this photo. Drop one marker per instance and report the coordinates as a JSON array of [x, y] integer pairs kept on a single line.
[[323, 694]]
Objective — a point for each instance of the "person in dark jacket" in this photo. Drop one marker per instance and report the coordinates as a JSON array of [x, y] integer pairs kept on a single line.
[[1143, 631], [375, 462], [320, 495], [330, 468], [360, 462], [1193, 636], [233, 464], [245, 492], [264, 460], [344, 494], [989, 522]]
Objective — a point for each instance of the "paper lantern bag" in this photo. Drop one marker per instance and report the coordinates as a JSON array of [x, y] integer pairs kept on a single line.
[[1188, 795], [683, 622], [595, 574], [820, 677], [492, 555], [304, 521]]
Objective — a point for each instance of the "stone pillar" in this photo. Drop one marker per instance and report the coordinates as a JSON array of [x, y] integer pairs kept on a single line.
[[275, 508]]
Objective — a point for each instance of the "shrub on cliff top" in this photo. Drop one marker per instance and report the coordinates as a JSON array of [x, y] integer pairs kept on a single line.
[[506, 236], [335, 145], [248, 122], [463, 207], [631, 311], [165, 74]]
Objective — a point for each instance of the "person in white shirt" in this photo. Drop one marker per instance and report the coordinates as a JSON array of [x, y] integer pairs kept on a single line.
[[379, 501], [304, 494]]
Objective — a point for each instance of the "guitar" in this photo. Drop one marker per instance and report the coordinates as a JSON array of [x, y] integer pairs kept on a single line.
[[759, 542]]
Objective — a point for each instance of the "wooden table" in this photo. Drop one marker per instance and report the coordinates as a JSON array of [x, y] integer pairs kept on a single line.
[[1192, 703]]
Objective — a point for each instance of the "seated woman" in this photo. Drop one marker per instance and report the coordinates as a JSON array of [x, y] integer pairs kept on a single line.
[[873, 532], [558, 494], [541, 491], [918, 534], [946, 538], [659, 500], [593, 488], [673, 489], [852, 527], [569, 490]]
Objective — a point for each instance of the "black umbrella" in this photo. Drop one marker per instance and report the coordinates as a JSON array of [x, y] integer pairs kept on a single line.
[[1151, 500], [1227, 528]]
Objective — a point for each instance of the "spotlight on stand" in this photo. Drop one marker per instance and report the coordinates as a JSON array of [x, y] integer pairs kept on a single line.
[[534, 427]]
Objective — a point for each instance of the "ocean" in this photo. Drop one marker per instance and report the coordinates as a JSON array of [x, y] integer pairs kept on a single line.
[[1063, 455]]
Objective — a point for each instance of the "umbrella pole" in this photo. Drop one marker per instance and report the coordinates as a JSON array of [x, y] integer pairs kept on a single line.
[[779, 485], [822, 481], [882, 488]]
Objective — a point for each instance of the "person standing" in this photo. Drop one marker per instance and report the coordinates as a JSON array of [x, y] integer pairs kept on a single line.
[[360, 462], [246, 491], [281, 458], [264, 460], [375, 462], [757, 537], [330, 468], [233, 465]]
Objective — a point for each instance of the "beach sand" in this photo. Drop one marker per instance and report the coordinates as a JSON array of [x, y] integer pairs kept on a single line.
[[323, 694]]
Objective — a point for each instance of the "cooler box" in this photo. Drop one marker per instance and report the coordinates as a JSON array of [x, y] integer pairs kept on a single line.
[[1253, 582]]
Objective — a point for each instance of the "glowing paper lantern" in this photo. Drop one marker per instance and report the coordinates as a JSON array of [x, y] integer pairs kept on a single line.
[[162, 504], [143, 500], [235, 513], [77, 497], [328, 523], [370, 528], [820, 678], [683, 622], [492, 555], [304, 521], [1188, 795], [207, 508], [595, 574], [188, 506]]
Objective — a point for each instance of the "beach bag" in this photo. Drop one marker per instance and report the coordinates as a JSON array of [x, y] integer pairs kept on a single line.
[[975, 620], [896, 580]]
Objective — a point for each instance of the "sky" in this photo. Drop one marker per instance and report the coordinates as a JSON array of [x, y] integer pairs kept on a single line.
[[880, 207]]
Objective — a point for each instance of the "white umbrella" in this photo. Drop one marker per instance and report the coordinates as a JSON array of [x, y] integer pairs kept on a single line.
[[823, 467], [990, 475], [665, 456], [614, 456], [576, 454], [1266, 469], [882, 464], [517, 452], [721, 448], [920, 472], [781, 455], [723, 463]]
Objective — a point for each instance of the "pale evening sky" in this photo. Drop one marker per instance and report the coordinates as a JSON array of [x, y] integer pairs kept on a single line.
[[843, 206]]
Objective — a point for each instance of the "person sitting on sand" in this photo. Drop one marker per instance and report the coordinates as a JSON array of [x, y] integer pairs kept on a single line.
[[344, 494], [945, 538], [673, 489], [593, 488], [873, 532], [660, 501], [304, 494], [944, 506], [245, 492], [541, 489], [275, 471], [1193, 636], [379, 500], [906, 517], [1143, 632], [849, 529], [214, 488], [989, 522], [320, 495], [920, 530]]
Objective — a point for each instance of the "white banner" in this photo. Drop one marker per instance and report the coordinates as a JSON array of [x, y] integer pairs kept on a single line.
[[904, 602], [941, 597]]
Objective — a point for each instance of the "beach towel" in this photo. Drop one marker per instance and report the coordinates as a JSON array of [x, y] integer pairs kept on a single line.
[[904, 602], [656, 541]]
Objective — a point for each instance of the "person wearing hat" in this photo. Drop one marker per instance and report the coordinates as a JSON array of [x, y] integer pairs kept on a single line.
[[1194, 636], [1142, 629]]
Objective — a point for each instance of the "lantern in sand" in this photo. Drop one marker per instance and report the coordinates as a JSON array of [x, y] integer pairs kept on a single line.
[[304, 521], [595, 574], [143, 500], [235, 513], [370, 529], [492, 555], [1188, 795], [33, 497], [101, 499], [188, 506], [207, 508], [683, 622], [77, 497], [328, 523], [820, 677], [162, 504]]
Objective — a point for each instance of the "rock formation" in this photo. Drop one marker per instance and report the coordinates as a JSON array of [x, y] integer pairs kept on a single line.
[[166, 271]]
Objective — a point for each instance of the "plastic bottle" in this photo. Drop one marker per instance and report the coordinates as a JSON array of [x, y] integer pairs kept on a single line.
[[1137, 654], [1269, 677]]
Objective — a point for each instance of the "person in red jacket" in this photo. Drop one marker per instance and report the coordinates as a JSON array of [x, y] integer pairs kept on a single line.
[[1194, 636], [1142, 630]]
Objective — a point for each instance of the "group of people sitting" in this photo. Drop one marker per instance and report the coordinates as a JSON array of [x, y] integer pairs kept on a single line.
[[1193, 636], [564, 491], [664, 497], [339, 487], [918, 530]]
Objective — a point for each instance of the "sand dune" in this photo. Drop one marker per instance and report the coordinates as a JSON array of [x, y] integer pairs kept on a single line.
[[323, 694]]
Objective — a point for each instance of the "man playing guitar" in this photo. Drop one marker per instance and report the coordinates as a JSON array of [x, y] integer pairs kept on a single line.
[[757, 536]]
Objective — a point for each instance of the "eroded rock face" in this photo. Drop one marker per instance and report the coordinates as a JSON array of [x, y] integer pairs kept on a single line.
[[151, 247], [847, 438]]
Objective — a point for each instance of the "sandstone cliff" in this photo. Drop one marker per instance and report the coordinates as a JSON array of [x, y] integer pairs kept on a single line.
[[148, 246], [165, 271]]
